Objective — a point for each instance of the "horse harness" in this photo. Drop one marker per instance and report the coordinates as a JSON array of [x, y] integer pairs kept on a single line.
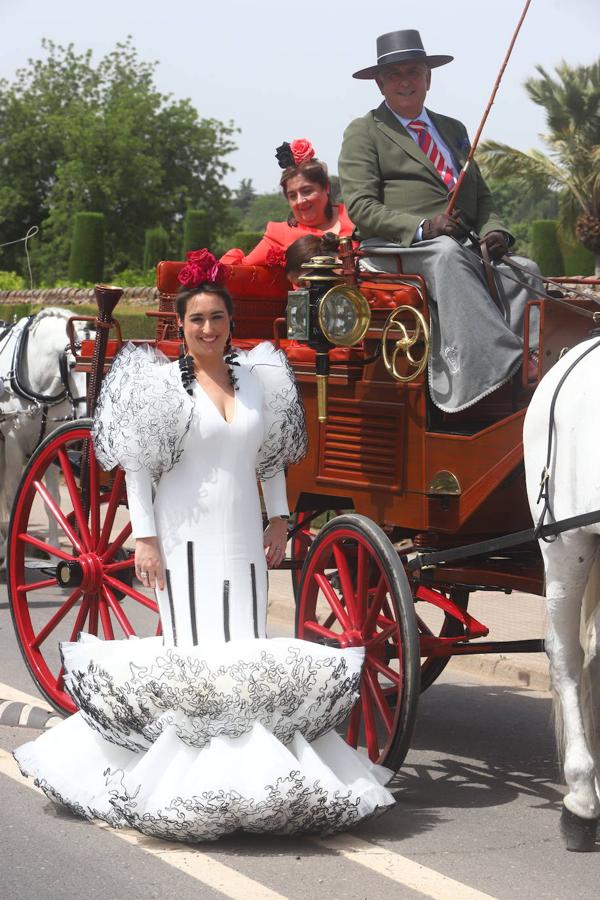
[[19, 333]]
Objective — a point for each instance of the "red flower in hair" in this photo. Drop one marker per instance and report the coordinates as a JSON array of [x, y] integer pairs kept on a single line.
[[201, 266], [276, 257], [302, 150]]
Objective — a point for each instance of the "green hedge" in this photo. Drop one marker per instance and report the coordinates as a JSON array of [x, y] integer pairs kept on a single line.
[[246, 240], [197, 230], [578, 259], [545, 247], [86, 262], [156, 246]]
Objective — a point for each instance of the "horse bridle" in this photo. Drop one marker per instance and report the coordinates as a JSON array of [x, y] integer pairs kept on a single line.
[[43, 402]]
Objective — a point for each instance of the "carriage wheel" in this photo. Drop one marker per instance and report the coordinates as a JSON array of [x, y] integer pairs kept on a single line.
[[302, 541], [82, 582], [440, 624], [354, 592], [300, 544]]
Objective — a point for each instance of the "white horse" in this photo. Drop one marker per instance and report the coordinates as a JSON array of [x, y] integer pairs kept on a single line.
[[40, 374], [572, 564]]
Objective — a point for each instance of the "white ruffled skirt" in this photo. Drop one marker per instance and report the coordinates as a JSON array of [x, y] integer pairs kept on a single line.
[[191, 744]]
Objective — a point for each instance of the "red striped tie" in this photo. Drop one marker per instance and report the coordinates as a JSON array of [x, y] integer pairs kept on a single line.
[[433, 152]]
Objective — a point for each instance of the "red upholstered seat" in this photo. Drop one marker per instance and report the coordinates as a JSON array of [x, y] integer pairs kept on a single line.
[[259, 294], [244, 282]]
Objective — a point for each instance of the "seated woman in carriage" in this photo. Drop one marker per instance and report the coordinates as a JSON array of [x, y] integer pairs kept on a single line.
[[306, 186]]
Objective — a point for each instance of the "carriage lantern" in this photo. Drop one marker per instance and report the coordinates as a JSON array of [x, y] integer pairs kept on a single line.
[[326, 313]]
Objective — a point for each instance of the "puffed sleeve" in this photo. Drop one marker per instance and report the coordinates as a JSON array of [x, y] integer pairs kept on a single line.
[[139, 500], [143, 413], [285, 440]]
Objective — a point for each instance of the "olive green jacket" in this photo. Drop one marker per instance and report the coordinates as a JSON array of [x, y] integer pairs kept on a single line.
[[389, 186]]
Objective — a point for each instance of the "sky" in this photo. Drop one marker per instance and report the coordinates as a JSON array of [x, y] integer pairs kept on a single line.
[[280, 70]]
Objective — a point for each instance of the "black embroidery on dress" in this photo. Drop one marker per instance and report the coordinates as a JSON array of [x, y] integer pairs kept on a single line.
[[226, 611], [171, 606], [254, 599], [143, 415], [192, 591], [285, 689]]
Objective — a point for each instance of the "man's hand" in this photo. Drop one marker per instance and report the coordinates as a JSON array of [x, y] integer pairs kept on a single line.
[[443, 224], [496, 243]]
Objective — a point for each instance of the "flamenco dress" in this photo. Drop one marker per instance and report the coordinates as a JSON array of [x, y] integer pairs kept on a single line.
[[211, 728]]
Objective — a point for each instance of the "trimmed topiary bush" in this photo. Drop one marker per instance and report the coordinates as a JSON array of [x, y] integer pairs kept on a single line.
[[156, 246], [545, 247], [86, 262], [578, 260], [246, 240], [197, 230]]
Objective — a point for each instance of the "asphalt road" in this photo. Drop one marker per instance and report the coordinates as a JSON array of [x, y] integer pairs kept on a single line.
[[477, 816]]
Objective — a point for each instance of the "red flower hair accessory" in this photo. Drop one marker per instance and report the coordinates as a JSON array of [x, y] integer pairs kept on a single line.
[[201, 266], [299, 151], [276, 257], [302, 150]]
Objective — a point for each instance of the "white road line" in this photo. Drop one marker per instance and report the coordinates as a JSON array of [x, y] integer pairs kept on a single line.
[[4, 705], [193, 862], [10, 693], [401, 869], [25, 714]]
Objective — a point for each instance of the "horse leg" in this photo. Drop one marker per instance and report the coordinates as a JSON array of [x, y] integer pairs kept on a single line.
[[568, 562]]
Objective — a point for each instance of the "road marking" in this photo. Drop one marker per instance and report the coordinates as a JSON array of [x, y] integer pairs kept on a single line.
[[24, 714], [193, 862], [401, 869], [10, 693]]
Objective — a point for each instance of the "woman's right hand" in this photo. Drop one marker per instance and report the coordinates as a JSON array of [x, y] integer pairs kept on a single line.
[[148, 563]]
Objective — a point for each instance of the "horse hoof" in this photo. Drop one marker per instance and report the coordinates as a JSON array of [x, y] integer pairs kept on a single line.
[[579, 834]]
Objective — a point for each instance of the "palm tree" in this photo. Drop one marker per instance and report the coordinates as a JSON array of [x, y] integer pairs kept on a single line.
[[572, 164]]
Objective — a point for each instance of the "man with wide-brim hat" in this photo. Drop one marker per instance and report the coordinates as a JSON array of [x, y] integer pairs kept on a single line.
[[397, 168]]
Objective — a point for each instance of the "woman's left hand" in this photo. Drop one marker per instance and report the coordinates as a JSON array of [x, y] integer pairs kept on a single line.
[[275, 540]]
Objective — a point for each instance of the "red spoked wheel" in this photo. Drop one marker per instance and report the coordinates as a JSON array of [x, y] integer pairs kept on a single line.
[[83, 580], [354, 592], [301, 542]]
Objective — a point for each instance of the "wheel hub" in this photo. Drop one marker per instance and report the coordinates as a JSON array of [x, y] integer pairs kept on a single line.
[[351, 639], [86, 572]]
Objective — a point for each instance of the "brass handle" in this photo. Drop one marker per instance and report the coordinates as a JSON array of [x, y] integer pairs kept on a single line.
[[404, 344]]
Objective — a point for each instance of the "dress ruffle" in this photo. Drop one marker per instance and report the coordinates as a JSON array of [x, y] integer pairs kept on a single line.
[[197, 744], [143, 414], [285, 441]]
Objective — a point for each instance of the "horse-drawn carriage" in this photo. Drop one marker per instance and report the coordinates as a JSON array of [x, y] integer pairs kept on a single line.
[[409, 486]]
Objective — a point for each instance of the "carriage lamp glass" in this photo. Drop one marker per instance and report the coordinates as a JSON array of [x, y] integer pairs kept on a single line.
[[344, 315], [298, 320]]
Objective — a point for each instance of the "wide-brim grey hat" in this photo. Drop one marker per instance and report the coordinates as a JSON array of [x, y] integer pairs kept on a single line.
[[399, 47]]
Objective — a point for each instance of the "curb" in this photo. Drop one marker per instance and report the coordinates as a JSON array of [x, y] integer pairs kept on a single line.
[[15, 714]]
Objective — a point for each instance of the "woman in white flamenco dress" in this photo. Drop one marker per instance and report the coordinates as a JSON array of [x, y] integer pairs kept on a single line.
[[211, 728]]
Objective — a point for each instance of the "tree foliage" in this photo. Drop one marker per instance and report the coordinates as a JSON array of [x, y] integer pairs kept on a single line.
[[82, 137], [571, 167]]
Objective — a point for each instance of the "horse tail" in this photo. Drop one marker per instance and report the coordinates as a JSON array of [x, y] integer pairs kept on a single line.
[[590, 644]]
